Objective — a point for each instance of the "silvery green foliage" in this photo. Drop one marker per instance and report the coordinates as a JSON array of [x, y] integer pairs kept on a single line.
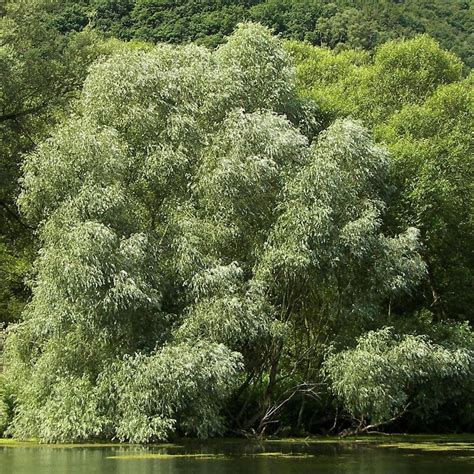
[[328, 234], [386, 371], [187, 224], [179, 386], [67, 411], [227, 310], [255, 82]]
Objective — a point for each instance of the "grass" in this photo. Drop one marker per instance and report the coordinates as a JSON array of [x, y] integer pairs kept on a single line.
[[199, 456], [431, 447], [466, 438]]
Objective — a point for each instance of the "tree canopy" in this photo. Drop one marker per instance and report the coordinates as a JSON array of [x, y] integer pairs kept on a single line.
[[339, 24], [192, 221]]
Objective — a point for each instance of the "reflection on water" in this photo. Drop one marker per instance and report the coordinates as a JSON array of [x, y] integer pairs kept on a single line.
[[236, 457]]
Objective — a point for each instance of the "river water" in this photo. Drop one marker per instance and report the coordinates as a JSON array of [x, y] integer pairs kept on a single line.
[[236, 457]]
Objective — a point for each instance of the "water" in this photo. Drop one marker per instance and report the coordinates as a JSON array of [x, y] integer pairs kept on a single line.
[[236, 457]]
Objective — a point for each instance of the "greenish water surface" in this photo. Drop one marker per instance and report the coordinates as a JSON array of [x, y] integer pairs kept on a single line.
[[354, 456]]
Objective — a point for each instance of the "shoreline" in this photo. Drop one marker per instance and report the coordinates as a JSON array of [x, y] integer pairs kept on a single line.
[[388, 440]]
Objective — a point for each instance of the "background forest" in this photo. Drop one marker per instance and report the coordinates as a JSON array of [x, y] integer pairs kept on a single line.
[[212, 227]]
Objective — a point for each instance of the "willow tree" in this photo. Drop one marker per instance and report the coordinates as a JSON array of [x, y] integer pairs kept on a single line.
[[191, 230]]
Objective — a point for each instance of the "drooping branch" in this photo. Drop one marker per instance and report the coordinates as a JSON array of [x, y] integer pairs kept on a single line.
[[16, 115], [363, 428]]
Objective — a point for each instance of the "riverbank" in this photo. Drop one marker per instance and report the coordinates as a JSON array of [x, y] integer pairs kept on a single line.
[[414, 441]]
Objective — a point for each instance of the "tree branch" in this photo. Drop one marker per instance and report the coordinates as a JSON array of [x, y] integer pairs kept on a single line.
[[370, 428], [22, 113], [14, 215]]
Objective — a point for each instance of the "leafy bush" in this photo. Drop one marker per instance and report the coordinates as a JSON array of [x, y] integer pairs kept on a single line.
[[387, 372]]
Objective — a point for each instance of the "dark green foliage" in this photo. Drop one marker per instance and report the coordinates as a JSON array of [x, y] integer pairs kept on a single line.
[[206, 22], [112, 16], [339, 24]]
